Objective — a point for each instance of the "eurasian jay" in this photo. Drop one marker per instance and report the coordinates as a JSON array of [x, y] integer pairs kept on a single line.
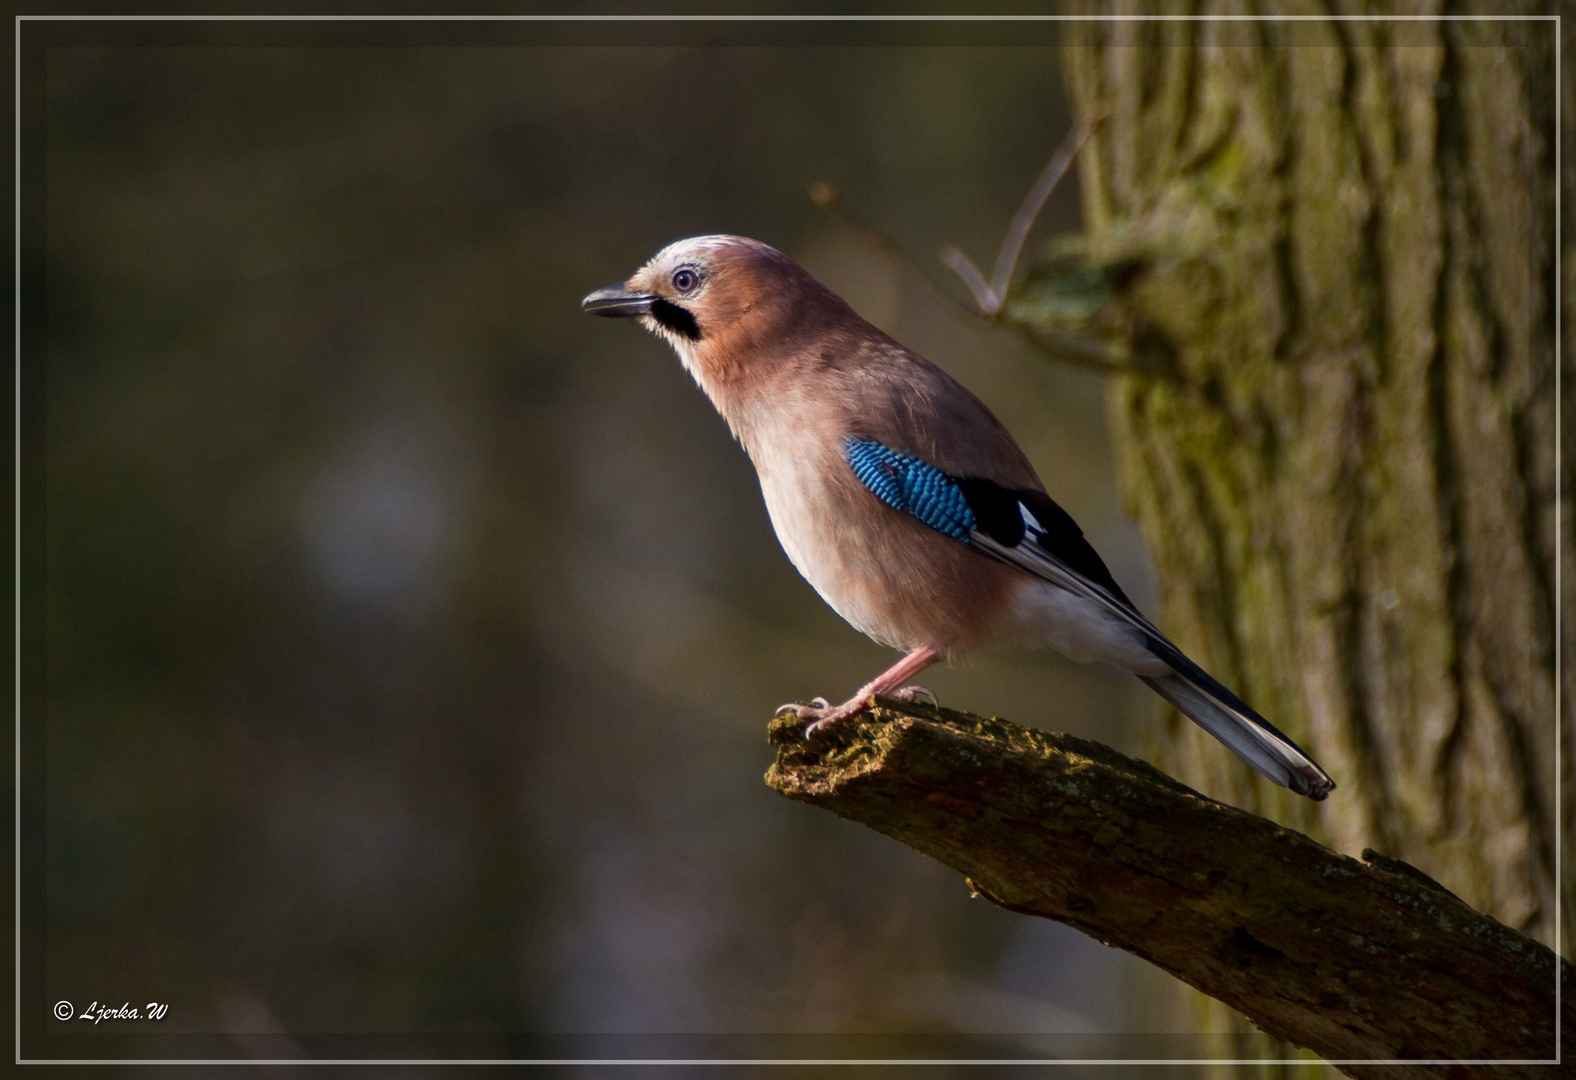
[[900, 497]]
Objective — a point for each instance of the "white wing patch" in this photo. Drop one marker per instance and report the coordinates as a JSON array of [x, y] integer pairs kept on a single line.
[[1030, 522]]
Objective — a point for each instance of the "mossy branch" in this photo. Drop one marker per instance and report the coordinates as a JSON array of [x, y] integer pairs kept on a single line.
[[1371, 965]]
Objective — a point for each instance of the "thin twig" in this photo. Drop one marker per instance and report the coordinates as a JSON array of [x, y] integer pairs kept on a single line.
[[1034, 202], [829, 198], [992, 296], [961, 265]]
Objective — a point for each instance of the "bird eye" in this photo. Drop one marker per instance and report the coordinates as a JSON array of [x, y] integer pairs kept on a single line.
[[686, 279]]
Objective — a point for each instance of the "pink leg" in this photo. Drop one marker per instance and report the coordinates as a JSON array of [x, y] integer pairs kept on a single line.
[[886, 682]]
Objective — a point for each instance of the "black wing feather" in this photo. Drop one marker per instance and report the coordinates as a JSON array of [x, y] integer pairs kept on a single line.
[[998, 517]]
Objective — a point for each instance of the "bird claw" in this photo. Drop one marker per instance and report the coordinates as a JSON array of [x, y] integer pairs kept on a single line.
[[816, 706], [822, 714], [911, 694]]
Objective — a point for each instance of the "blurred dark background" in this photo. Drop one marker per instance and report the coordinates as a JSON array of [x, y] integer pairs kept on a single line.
[[411, 636]]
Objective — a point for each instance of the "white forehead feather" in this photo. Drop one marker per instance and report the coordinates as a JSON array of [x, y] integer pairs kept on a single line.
[[695, 248]]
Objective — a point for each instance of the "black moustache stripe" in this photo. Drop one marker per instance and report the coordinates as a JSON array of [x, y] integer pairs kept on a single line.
[[675, 318]]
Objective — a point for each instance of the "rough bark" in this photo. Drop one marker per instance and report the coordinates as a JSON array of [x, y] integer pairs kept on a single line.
[[1328, 250], [1357, 961]]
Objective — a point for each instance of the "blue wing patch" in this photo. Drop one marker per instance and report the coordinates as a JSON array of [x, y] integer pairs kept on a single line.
[[908, 484]]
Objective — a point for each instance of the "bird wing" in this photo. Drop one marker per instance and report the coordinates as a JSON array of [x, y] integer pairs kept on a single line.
[[1026, 529], [1010, 526]]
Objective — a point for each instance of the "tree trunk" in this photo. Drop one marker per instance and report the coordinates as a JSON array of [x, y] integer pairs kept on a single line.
[[1329, 248]]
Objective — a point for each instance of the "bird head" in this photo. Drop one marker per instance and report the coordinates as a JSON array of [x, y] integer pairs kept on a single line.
[[725, 303]]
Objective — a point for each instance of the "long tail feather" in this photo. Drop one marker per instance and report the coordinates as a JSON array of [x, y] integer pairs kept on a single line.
[[1246, 733], [1191, 689]]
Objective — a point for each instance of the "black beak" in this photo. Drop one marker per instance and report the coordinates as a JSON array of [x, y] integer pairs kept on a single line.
[[615, 301]]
